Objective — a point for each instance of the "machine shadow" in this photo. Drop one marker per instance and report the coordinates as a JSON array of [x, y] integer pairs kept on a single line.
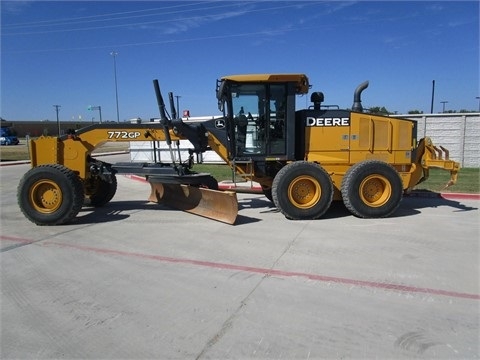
[[255, 203], [118, 210], [409, 206], [413, 204], [336, 210], [113, 211]]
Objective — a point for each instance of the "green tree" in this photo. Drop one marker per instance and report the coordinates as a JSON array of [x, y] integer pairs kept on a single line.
[[379, 110]]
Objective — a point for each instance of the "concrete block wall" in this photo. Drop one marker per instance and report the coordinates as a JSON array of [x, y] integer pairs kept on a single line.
[[459, 133], [471, 150]]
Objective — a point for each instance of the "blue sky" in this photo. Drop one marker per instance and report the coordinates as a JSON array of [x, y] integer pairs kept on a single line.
[[59, 53]]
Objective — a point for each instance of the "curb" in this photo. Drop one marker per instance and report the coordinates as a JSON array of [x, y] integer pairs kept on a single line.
[[444, 195], [21, 162], [10, 163], [459, 196], [246, 187]]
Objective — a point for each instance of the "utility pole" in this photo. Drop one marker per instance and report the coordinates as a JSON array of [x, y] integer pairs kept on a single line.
[[433, 96], [57, 107], [114, 54], [443, 102]]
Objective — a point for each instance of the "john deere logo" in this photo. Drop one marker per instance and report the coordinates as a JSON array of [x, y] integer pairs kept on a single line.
[[311, 121], [220, 124]]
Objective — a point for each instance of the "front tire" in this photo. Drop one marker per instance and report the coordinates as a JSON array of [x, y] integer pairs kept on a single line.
[[103, 191], [302, 191], [372, 189], [50, 195], [267, 191]]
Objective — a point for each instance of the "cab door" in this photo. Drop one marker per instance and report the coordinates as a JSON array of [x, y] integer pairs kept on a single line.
[[258, 126]]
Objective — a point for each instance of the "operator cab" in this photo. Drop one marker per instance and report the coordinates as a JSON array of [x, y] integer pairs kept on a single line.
[[259, 112]]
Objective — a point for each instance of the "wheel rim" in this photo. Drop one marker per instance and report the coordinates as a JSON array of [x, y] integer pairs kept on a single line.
[[45, 196], [304, 192], [375, 190]]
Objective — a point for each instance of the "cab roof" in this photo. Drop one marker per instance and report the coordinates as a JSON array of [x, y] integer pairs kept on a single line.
[[301, 80]]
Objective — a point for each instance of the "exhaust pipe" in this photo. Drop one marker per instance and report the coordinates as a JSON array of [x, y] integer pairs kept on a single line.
[[357, 101]]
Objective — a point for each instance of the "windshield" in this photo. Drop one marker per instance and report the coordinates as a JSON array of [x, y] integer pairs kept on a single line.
[[258, 111]]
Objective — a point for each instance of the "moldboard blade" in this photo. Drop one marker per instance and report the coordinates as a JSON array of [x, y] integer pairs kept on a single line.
[[217, 205]]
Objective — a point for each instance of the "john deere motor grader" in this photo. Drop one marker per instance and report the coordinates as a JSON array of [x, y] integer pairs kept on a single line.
[[303, 159]]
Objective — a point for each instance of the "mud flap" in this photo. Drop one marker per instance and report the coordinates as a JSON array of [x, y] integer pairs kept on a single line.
[[213, 204]]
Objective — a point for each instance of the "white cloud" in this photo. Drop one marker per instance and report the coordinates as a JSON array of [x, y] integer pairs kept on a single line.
[[14, 7], [184, 24]]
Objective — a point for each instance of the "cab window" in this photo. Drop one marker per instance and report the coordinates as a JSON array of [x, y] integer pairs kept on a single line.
[[259, 118]]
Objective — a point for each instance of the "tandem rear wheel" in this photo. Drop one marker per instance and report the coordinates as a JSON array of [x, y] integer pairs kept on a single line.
[[372, 189], [302, 191], [50, 194]]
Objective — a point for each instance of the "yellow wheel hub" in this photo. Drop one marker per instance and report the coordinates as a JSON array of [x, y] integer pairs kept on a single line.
[[375, 190], [304, 192], [45, 196]]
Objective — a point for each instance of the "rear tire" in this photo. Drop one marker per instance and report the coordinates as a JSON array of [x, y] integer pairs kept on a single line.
[[50, 195], [302, 191], [372, 189]]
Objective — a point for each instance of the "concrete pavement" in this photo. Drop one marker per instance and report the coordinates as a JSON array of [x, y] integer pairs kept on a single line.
[[140, 281]]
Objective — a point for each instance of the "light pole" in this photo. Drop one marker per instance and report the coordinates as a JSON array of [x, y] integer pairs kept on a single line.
[[433, 96], [57, 108], [478, 98], [114, 54], [443, 102]]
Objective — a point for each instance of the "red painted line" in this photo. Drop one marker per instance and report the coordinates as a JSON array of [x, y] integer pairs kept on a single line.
[[221, 186], [15, 239], [240, 188], [281, 273], [458, 196], [135, 177]]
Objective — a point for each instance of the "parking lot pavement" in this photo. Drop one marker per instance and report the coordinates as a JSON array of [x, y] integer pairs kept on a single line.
[[139, 280]]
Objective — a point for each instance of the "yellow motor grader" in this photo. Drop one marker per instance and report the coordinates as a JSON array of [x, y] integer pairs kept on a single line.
[[303, 159]]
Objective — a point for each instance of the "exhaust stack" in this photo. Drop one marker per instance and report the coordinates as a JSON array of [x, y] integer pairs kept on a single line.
[[357, 101]]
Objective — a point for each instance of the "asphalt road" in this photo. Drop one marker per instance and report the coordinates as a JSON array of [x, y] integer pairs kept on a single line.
[[140, 281]]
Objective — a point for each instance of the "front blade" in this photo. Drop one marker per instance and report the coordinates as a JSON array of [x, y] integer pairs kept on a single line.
[[217, 205]]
